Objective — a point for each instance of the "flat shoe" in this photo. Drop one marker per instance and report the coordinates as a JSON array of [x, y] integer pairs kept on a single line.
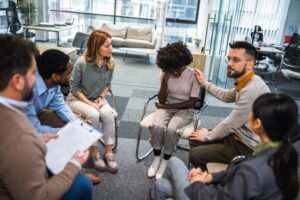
[[93, 175], [98, 163], [111, 164]]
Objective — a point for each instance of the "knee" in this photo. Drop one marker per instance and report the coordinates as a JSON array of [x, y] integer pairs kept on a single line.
[[85, 185], [157, 128], [107, 113], [192, 155], [93, 117]]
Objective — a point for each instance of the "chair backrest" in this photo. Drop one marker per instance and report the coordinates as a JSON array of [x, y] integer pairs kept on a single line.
[[13, 22], [80, 41], [292, 52], [257, 35], [201, 99]]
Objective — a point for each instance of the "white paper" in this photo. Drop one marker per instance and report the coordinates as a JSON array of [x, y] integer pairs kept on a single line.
[[74, 136]]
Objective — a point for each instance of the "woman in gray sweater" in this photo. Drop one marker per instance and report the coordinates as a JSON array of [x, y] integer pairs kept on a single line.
[[89, 83], [271, 173]]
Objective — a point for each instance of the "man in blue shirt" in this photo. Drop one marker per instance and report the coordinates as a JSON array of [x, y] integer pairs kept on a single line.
[[47, 110]]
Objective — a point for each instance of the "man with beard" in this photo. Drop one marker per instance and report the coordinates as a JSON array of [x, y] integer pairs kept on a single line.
[[23, 171], [232, 136], [47, 110]]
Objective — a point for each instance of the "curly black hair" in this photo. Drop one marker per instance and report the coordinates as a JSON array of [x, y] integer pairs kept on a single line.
[[173, 56]]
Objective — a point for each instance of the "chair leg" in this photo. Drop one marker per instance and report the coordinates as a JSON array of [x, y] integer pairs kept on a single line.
[[183, 147], [139, 158]]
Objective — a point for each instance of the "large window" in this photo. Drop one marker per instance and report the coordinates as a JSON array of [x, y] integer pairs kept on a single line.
[[183, 11]]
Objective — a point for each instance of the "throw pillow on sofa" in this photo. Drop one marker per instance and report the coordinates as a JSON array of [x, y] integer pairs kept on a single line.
[[114, 30], [139, 33]]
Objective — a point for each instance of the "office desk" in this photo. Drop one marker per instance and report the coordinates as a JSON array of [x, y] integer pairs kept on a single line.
[[56, 29], [269, 50]]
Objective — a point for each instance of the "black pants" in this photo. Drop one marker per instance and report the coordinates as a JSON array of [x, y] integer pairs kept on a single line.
[[222, 151]]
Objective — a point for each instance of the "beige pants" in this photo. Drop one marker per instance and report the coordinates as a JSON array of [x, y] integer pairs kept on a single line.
[[102, 118]]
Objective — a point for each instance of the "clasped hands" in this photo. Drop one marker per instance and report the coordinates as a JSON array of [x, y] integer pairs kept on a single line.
[[196, 174], [97, 103]]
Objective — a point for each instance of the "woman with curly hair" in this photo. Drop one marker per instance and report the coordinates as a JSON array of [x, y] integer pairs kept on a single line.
[[176, 98], [89, 83]]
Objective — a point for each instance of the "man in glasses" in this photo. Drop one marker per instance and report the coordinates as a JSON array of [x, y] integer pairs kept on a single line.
[[232, 136]]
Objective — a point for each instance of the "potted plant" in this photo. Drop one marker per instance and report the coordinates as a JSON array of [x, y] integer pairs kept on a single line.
[[28, 11]]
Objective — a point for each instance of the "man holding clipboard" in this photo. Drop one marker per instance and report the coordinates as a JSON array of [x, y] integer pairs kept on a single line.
[[23, 171]]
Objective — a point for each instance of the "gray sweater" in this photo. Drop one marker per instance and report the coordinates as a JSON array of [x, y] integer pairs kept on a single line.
[[237, 121]]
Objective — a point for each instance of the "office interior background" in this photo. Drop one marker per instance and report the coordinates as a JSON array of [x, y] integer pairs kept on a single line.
[[215, 23]]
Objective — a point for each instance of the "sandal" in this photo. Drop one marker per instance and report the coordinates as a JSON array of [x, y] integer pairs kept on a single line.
[[111, 164], [92, 174], [98, 163]]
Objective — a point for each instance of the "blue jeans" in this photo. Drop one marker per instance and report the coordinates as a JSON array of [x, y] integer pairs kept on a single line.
[[173, 182], [81, 189]]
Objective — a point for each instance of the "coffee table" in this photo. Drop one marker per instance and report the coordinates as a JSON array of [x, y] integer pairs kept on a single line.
[[138, 50]]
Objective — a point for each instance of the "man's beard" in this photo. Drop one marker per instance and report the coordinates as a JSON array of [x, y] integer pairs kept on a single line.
[[27, 92], [236, 74]]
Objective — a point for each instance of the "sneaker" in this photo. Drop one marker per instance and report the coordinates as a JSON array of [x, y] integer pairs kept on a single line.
[[162, 167], [92, 174], [98, 163], [111, 164], [154, 167]]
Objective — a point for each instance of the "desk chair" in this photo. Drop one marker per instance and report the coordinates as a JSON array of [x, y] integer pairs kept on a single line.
[[79, 41], [290, 60], [146, 123], [13, 22], [257, 39]]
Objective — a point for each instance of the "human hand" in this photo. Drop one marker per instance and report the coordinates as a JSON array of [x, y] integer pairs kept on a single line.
[[159, 105], [99, 101], [199, 76], [81, 157], [94, 105], [49, 136], [197, 135], [199, 175]]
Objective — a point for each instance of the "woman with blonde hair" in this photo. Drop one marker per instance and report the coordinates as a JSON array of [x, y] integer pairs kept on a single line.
[[89, 84]]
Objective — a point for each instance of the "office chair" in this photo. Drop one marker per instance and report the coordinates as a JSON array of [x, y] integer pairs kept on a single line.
[[146, 123], [79, 41], [290, 60], [13, 22], [257, 39]]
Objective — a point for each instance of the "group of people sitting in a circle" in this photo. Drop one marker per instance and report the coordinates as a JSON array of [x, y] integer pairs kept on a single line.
[[256, 139]]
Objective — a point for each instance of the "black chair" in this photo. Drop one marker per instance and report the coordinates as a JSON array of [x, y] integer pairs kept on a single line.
[[146, 123], [257, 38], [290, 60], [13, 22], [79, 41]]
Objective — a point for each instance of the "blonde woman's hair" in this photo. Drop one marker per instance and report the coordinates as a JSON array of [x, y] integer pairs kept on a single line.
[[96, 40]]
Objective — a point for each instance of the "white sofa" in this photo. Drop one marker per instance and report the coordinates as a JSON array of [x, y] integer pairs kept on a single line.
[[131, 37]]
